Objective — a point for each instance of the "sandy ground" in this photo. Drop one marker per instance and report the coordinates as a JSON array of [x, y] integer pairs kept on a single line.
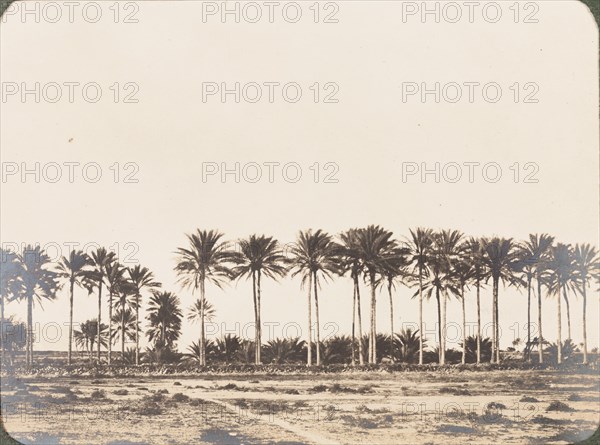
[[350, 408]]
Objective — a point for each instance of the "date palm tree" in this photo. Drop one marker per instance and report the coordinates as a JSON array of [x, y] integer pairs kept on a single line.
[[125, 326], [195, 312], [87, 335], [34, 283], [8, 275], [586, 263], [349, 261], [375, 246], [531, 255], [314, 258], [73, 271], [100, 259], [501, 262], [141, 279], [115, 279], [164, 315], [463, 272], [562, 265], [394, 269], [473, 252], [259, 255], [206, 259], [419, 245]]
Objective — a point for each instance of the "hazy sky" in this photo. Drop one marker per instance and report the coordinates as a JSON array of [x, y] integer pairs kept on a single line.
[[371, 55]]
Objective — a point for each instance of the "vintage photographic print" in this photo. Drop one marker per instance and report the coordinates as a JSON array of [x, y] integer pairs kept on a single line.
[[299, 222]]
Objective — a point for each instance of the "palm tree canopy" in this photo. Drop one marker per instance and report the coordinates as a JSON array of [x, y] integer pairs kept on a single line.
[[259, 253], [314, 253], [500, 257], [33, 278], [141, 278], [9, 269], [206, 258], [196, 310], [164, 315]]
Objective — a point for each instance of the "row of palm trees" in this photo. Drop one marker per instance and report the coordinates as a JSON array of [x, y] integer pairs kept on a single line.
[[437, 264]]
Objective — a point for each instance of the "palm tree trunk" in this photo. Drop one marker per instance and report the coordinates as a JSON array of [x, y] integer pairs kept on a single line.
[[137, 332], [123, 333], [443, 328], [528, 317], [568, 312], [493, 358], [478, 324], [361, 358], [497, 324], [353, 324], [585, 354], [420, 315], [29, 355], [2, 330], [559, 342], [373, 345], [255, 315], [202, 338], [439, 311], [71, 322], [318, 331], [99, 316], [258, 325], [309, 343], [110, 304], [540, 338], [464, 323], [391, 322]]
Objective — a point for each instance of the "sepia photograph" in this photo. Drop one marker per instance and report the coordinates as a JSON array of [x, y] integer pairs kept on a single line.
[[313, 222]]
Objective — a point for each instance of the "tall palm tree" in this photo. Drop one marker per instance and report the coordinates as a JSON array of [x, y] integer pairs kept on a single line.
[[99, 261], [464, 273], [473, 252], [586, 263], [164, 315], [375, 246], [73, 271], [500, 259], [531, 255], [349, 261], [420, 243], [395, 268], [561, 264], [116, 281], [314, 257], [259, 255], [207, 259], [8, 275], [141, 279], [35, 282]]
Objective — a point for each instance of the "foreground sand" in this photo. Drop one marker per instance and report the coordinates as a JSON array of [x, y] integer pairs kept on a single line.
[[350, 408]]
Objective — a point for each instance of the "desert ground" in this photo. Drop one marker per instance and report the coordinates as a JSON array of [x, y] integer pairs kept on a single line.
[[376, 407]]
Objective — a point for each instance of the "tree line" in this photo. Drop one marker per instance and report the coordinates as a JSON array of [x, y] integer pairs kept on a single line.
[[437, 265]]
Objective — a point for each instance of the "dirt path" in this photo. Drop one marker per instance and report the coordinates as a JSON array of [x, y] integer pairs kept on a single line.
[[308, 436]]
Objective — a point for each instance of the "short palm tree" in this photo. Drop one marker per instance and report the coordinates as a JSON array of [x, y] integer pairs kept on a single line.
[[314, 258], [87, 335], [586, 264], [34, 282], [141, 279], [206, 259], [420, 244], [164, 315], [100, 259], [73, 271], [125, 327], [259, 255], [501, 262], [375, 247]]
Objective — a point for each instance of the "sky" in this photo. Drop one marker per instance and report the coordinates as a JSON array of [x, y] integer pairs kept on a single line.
[[163, 132]]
